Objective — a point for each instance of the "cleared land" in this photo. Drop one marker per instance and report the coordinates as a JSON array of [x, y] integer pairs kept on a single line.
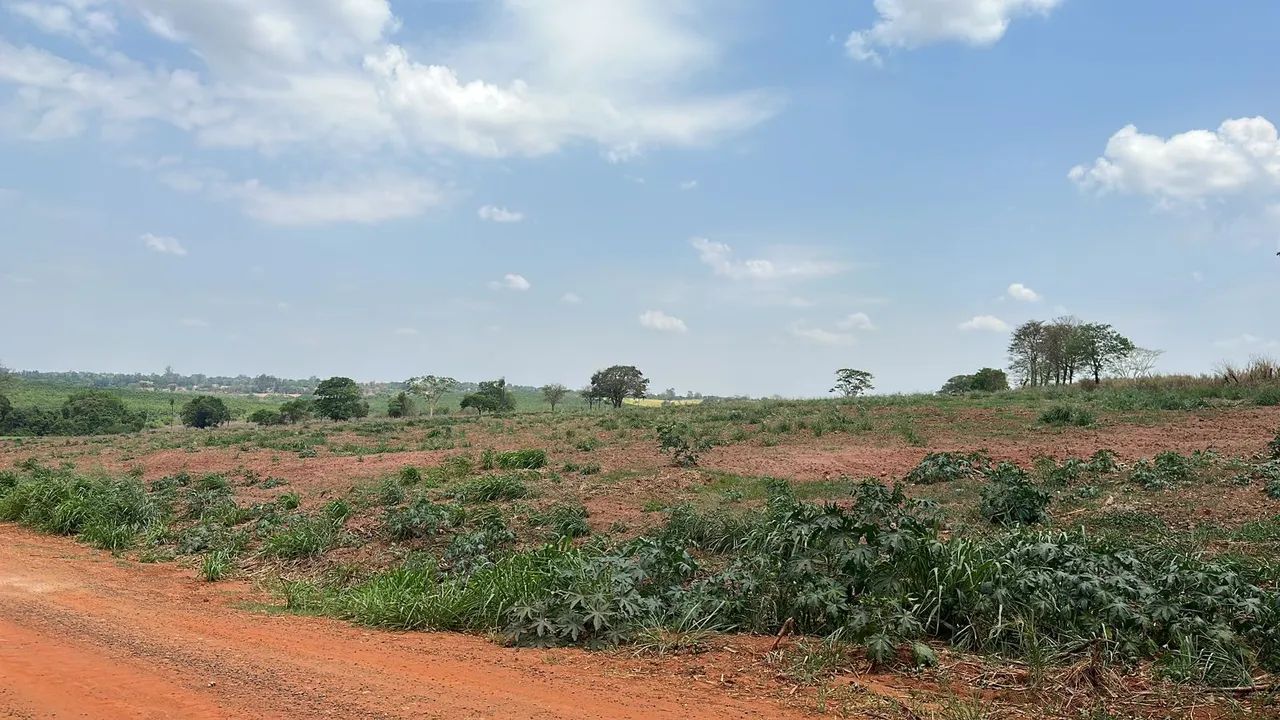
[[143, 632]]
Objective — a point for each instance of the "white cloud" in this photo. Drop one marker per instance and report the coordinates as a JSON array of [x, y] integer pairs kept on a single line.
[[1018, 291], [913, 23], [362, 200], [324, 74], [1241, 157], [988, 323], [84, 20], [857, 321], [492, 213], [570, 298], [511, 281], [405, 331], [658, 320], [689, 185], [719, 257], [820, 336], [163, 245]]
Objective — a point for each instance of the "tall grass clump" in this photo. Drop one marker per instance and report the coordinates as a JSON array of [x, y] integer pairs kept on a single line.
[[107, 513]]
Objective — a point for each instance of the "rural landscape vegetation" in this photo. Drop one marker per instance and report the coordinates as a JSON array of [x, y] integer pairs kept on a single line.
[[1090, 540], [630, 359]]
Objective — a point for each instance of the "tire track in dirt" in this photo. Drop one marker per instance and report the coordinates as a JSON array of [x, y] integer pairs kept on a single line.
[[85, 635]]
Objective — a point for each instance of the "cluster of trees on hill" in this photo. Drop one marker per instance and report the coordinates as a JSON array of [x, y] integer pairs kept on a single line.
[[1055, 352], [985, 380]]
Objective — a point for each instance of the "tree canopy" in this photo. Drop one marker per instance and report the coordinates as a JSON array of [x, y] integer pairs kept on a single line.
[[553, 394], [203, 411], [618, 383], [852, 383], [490, 396], [985, 380], [431, 388], [339, 398]]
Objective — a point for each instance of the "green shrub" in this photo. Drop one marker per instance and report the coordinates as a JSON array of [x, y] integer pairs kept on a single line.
[[942, 467], [420, 518], [1011, 498], [681, 442], [266, 416], [1061, 415], [522, 460], [107, 513], [215, 565], [410, 475]]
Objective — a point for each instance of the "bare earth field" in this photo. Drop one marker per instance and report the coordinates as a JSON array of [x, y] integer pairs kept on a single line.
[[85, 633]]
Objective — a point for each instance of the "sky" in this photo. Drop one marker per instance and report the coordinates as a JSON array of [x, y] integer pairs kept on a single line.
[[737, 196]]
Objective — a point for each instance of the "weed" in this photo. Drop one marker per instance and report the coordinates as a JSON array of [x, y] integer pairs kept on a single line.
[[947, 467], [1011, 498], [522, 460], [216, 565], [679, 440], [1062, 415], [568, 520], [488, 488]]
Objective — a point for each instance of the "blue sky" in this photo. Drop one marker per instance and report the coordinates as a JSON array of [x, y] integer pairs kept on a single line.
[[736, 196]]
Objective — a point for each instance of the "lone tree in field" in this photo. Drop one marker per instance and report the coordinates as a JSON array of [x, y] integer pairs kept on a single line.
[[491, 396], [852, 383], [338, 398], [618, 383], [553, 394], [431, 388], [399, 406], [203, 411]]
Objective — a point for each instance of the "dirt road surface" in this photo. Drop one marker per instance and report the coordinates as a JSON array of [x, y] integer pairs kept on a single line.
[[86, 635]]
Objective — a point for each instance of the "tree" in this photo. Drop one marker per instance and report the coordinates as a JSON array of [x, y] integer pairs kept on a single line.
[[1101, 346], [6, 378], [618, 383], [852, 383], [266, 416], [296, 410], [399, 406], [1137, 363], [93, 412], [431, 388], [1026, 350], [990, 380], [957, 385], [6, 407], [265, 384], [203, 411], [589, 395], [553, 394], [491, 395], [338, 398]]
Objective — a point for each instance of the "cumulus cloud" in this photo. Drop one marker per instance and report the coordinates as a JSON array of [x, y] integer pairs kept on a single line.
[[493, 213], [662, 322], [987, 323], [857, 321], [570, 298], [821, 336], [163, 245], [360, 200], [689, 185], [913, 23], [719, 257], [511, 281], [1018, 291], [1241, 157]]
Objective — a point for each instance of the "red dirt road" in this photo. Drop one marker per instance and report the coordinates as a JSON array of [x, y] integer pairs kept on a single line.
[[85, 635]]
